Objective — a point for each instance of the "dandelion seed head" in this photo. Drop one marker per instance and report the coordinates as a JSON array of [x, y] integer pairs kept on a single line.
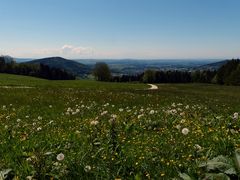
[[87, 168], [60, 157], [185, 131]]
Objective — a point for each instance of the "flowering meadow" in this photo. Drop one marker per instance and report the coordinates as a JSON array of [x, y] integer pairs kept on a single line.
[[91, 130]]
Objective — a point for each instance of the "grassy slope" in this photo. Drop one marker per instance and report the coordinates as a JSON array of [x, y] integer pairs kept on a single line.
[[16, 80], [148, 146]]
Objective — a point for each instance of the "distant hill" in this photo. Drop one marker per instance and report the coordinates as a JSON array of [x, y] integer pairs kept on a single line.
[[73, 67], [137, 66], [212, 66], [22, 60]]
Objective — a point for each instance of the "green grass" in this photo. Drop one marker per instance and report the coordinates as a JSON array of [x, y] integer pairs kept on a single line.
[[15, 80], [114, 130]]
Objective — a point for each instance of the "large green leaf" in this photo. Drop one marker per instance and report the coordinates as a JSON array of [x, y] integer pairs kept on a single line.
[[4, 173], [184, 176], [220, 164]]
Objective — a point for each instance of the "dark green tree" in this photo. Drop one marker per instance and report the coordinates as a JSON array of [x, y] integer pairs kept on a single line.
[[149, 76], [102, 72]]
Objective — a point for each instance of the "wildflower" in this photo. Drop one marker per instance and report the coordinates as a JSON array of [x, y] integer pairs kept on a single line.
[[18, 120], [39, 118], [185, 131], [103, 113], [178, 126], [94, 123], [60, 157], [29, 177], [50, 106], [114, 116], [235, 115], [183, 121], [107, 104], [121, 109], [151, 112], [39, 129], [87, 168], [197, 147]]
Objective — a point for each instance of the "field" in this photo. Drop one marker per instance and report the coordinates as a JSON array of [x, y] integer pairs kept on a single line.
[[92, 130]]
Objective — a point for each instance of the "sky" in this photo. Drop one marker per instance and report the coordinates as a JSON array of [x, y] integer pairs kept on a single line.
[[139, 29]]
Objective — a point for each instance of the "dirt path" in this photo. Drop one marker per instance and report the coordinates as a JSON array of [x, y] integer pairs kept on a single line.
[[153, 87]]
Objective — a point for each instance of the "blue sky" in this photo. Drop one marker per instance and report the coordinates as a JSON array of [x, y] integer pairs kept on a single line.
[[154, 29]]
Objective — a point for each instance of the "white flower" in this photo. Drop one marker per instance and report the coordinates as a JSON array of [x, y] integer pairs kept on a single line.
[[94, 123], [235, 115], [183, 121], [60, 157], [29, 177], [121, 109], [39, 118], [197, 147], [107, 104], [185, 131], [178, 126], [103, 113], [114, 116], [87, 168], [18, 120], [151, 112], [50, 106], [39, 129]]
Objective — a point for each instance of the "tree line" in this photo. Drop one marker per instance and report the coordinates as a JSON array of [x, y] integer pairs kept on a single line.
[[8, 65], [228, 74]]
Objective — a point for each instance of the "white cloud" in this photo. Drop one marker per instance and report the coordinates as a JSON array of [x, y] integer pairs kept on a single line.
[[70, 50]]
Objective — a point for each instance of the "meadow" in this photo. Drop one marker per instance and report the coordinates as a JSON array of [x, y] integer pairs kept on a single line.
[[93, 130]]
